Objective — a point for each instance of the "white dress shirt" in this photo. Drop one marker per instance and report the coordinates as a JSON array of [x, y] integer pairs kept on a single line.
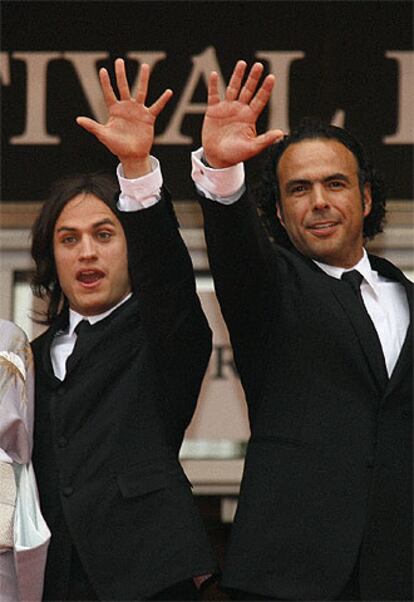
[[64, 340], [385, 300], [387, 304]]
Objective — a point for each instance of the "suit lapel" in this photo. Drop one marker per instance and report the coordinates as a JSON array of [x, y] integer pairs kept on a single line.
[[125, 311], [102, 330], [345, 297], [405, 358], [368, 341], [362, 327], [404, 361]]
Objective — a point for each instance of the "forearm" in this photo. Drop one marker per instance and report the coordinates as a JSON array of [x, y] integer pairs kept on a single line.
[[157, 256], [162, 277], [243, 268], [238, 250]]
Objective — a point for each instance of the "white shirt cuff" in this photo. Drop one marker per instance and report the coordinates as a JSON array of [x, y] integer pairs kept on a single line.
[[222, 185], [140, 193]]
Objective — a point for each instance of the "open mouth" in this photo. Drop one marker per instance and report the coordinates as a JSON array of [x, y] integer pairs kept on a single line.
[[89, 277]]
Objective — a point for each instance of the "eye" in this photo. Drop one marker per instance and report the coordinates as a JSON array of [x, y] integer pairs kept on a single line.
[[104, 235], [336, 184], [68, 240], [298, 189]]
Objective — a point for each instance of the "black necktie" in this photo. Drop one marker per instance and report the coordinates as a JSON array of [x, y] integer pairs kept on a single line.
[[354, 279], [83, 329]]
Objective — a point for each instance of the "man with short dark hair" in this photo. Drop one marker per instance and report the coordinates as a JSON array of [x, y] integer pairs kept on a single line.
[[118, 374], [322, 339]]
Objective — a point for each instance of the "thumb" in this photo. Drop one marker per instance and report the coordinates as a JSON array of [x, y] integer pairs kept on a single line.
[[90, 125], [268, 138]]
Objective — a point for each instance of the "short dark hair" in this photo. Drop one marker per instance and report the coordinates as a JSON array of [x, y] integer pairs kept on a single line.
[[45, 283], [268, 193]]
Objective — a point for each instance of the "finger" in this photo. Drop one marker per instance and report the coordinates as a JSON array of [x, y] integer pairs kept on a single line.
[[250, 87], [91, 126], [107, 90], [262, 97], [268, 138], [160, 103], [142, 88], [233, 88], [121, 80], [213, 96]]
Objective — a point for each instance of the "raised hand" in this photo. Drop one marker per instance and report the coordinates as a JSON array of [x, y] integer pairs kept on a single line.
[[229, 133], [129, 131]]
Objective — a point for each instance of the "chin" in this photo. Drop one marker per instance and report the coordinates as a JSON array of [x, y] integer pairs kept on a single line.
[[91, 309], [327, 254]]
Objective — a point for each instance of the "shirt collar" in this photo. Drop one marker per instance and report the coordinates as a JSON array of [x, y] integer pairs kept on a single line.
[[75, 317], [363, 266]]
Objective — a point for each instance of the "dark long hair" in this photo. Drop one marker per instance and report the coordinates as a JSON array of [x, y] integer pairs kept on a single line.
[[45, 283], [267, 194]]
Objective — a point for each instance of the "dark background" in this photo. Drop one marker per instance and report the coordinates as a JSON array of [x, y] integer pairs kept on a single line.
[[344, 67]]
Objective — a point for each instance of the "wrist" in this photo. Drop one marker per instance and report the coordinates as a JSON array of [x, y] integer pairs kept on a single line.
[[135, 168], [213, 163]]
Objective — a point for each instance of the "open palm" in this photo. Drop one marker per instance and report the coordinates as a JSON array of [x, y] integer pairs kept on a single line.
[[229, 133], [129, 131]]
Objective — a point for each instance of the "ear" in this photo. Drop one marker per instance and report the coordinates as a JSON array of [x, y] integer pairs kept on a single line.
[[279, 214], [367, 199]]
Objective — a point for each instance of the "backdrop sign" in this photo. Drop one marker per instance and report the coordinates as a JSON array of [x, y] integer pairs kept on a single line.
[[350, 63]]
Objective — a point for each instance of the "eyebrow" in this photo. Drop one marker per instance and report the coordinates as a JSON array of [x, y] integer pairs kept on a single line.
[[102, 222], [303, 181], [337, 176], [291, 183]]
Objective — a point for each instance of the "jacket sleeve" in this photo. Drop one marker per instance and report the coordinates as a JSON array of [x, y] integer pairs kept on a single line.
[[242, 264], [177, 330]]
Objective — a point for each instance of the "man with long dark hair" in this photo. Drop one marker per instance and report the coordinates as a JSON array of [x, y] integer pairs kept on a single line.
[[118, 374], [322, 339]]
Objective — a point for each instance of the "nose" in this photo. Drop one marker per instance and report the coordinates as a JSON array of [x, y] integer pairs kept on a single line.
[[87, 248], [319, 197]]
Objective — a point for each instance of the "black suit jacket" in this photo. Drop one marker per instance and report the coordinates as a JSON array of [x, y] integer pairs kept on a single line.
[[107, 438], [328, 473]]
